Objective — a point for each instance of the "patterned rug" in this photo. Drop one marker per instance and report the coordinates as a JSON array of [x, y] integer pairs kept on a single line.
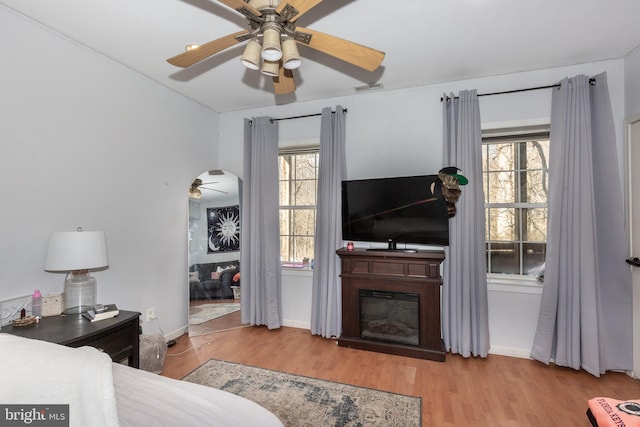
[[304, 401], [205, 312]]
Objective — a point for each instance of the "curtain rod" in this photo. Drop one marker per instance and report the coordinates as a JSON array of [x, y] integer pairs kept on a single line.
[[592, 81], [296, 117], [302, 117]]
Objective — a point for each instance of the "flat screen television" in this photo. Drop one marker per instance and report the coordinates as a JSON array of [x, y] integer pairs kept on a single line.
[[407, 209]]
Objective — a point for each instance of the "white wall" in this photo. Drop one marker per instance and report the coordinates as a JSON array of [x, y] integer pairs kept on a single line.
[[632, 83], [87, 142], [400, 133]]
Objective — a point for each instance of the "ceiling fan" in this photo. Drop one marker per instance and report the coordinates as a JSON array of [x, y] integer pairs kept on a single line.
[[197, 184], [272, 42]]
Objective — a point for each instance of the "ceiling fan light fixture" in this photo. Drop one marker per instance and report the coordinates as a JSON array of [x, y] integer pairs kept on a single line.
[[262, 4], [272, 23], [270, 68], [251, 56], [290, 55], [195, 193], [271, 50]]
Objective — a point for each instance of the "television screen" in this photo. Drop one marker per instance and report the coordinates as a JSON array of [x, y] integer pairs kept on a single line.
[[407, 209]]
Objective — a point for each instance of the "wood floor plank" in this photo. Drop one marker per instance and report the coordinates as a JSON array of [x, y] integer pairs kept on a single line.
[[497, 391]]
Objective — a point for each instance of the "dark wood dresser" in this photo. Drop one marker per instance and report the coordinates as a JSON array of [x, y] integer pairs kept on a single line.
[[119, 336]]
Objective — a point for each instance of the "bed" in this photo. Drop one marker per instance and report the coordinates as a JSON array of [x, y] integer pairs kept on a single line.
[[102, 393]]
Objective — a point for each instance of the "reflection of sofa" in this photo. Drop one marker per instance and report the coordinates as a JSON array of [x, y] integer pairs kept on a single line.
[[213, 280]]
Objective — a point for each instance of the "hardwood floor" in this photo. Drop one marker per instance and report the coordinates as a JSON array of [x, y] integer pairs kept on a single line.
[[496, 391], [229, 321]]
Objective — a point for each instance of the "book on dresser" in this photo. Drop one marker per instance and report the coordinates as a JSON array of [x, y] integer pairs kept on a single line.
[[101, 312]]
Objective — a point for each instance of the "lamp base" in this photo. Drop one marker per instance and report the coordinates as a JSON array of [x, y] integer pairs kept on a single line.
[[79, 292]]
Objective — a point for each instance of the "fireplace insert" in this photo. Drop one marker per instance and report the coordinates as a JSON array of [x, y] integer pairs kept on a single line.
[[390, 316]]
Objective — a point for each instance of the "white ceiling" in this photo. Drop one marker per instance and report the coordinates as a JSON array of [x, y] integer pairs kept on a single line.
[[426, 41]]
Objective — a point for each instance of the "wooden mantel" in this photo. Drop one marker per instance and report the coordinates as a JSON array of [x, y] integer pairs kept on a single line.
[[415, 272]]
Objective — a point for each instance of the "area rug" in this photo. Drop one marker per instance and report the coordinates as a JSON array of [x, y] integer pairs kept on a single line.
[[205, 312], [304, 401]]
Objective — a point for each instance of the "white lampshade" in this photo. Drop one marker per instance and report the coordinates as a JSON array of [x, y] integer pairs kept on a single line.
[[251, 55], [290, 55], [195, 193], [259, 4], [271, 45], [76, 250], [270, 68]]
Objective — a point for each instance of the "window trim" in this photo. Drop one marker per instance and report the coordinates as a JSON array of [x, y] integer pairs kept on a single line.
[[516, 283], [292, 151], [306, 149], [515, 132]]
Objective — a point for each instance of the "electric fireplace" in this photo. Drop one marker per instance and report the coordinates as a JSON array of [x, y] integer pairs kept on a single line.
[[391, 302], [390, 316]]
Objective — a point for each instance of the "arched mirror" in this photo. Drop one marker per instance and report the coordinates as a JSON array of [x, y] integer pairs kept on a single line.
[[214, 252]]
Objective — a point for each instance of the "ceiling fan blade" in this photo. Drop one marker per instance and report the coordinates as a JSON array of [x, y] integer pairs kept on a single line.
[[244, 8], [284, 83], [302, 6], [213, 189], [190, 57], [353, 53]]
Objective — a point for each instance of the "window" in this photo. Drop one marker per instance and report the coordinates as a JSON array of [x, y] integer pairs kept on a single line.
[[298, 182], [515, 180]]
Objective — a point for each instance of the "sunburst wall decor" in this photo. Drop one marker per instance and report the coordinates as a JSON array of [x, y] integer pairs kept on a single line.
[[223, 227]]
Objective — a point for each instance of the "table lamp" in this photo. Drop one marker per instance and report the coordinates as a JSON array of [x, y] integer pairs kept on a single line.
[[76, 252]]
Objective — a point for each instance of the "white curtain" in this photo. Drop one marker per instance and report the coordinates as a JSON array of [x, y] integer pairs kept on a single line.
[[465, 323], [326, 303], [585, 318], [261, 290]]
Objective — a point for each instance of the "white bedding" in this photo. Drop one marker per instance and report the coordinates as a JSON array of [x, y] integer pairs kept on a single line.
[[103, 393], [38, 372]]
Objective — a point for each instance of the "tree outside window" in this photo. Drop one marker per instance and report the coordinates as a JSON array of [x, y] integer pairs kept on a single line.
[[515, 179], [298, 181]]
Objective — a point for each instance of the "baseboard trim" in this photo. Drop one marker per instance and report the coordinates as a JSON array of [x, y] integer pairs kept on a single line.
[[289, 323], [177, 333], [497, 350], [509, 351], [296, 324]]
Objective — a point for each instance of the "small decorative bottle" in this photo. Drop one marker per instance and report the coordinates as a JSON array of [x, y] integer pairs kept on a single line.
[[36, 304]]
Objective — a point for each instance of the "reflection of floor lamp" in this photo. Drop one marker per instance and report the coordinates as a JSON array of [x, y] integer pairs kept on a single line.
[[76, 252]]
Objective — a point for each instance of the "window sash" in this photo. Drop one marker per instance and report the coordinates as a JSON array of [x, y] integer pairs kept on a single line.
[[298, 188], [515, 228]]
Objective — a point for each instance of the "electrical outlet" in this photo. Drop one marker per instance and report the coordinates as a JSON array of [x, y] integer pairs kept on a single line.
[[151, 313]]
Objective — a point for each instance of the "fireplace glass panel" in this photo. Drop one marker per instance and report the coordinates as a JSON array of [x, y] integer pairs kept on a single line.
[[390, 316]]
